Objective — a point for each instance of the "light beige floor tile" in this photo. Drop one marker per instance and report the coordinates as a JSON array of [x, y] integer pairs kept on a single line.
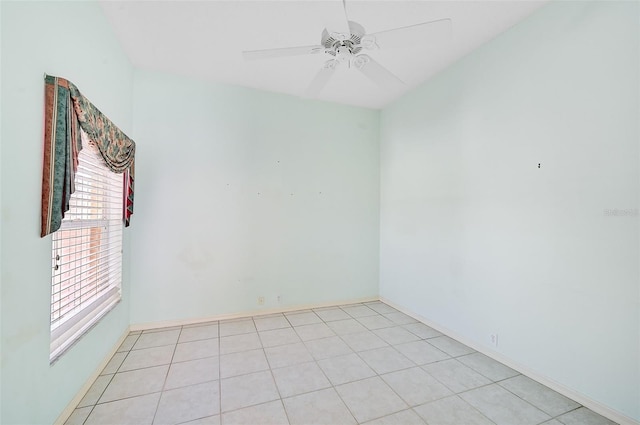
[[421, 352], [271, 413], [322, 407], [157, 339], [188, 403], [370, 399], [416, 386], [242, 363], [552, 422], [248, 390], [584, 416], [95, 392], [400, 318], [327, 347], [267, 323], [162, 329], [488, 367], [406, 417], [363, 341], [375, 322], [348, 326], [135, 383], [299, 379], [148, 357], [277, 337], [236, 327], [196, 333], [192, 372], [343, 369], [450, 346], [385, 360], [209, 420], [306, 318], [348, 361], [358, 310], [456, 376], [236, 343], [114, 364], [381, 308], [130, 411], [543, 398], [396, 335], [452, 411], [196, 350], [331, 314], [128, 343], [314, 331], [287, 355], [421, 330], [502, 407], [78, 416]]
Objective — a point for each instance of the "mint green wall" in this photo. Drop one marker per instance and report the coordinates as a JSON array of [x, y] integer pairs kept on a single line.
[[242, 193], [477, 239], [472, 235], [73, 40]]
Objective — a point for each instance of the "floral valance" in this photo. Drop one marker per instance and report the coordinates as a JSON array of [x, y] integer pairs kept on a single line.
[[67, 113]]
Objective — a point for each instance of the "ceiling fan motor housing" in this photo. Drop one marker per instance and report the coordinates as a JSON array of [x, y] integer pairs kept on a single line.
[[343, 46]]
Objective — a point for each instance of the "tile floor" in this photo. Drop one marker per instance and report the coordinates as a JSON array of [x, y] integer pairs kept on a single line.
[[356, 364]]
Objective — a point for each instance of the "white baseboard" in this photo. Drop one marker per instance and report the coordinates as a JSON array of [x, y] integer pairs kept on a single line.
[[578, 397], [89, 382], [262, 312]]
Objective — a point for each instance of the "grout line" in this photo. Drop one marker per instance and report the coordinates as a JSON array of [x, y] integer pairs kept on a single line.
[[474, 408], [128, 397], [316, 361], [93, 406], [273, 378], [166, 376]]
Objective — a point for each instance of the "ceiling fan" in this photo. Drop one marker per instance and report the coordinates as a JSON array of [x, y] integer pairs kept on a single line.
[[346, 43]]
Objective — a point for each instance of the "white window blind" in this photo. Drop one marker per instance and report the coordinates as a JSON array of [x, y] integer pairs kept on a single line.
[[87, 252]]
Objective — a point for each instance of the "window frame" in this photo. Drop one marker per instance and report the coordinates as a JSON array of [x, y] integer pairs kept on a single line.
[[64, 333]]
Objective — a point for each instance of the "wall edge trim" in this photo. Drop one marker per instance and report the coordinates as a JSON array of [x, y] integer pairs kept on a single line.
[[71, 406], [249, 313]]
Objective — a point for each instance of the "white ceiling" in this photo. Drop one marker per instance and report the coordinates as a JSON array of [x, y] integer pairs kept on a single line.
[[205, 40]]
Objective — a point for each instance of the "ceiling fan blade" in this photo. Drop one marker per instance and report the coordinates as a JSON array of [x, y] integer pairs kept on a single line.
[[282, 52], [321, 79], [410, 35], [346, 16], [377, 73], [339, 28]]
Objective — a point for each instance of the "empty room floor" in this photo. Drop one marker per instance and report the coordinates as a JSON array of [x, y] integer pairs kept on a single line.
[[355, 364]]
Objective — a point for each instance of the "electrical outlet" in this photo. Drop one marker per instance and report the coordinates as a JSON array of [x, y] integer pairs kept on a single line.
[[260, 300], [278, 299], [494, 339]]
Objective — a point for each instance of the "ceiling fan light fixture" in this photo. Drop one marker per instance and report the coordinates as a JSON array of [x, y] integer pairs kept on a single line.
[[343, 53], [330, 64], [369, 42], [361, 61]]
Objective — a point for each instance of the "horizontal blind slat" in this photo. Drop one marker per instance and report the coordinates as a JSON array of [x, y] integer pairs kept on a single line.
[[87, 250]]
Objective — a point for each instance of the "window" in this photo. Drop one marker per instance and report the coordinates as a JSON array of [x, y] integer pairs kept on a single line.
[[87, 252]]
